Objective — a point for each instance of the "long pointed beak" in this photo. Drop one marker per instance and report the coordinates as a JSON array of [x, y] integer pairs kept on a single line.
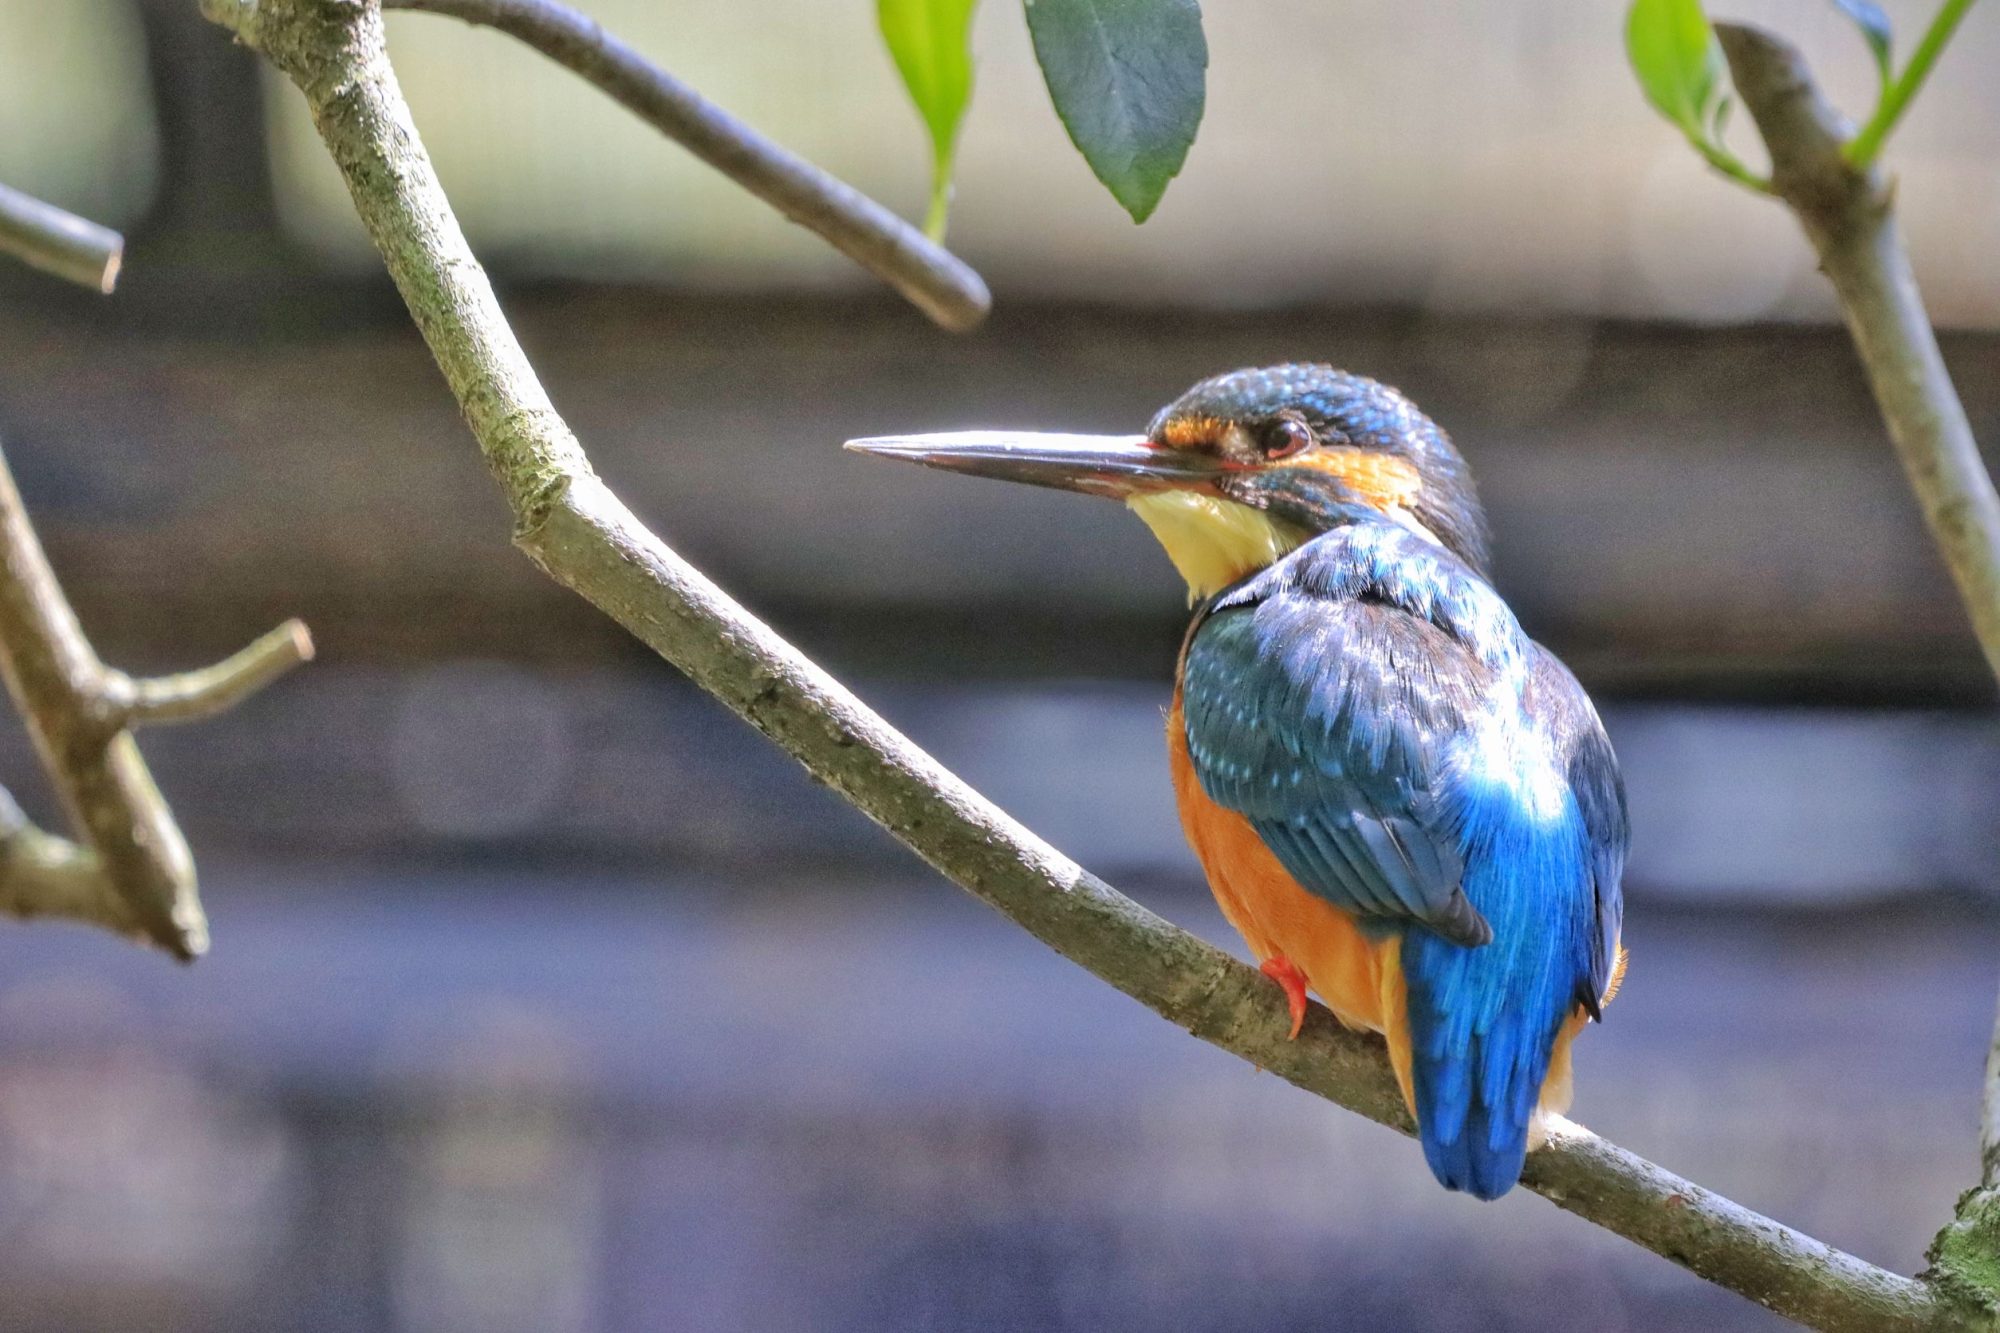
[[1113, 465]]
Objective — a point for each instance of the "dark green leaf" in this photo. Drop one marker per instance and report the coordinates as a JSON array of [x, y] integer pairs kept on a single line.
[[931, 43], [1127, 78], [1679, 63], [1874, 25]]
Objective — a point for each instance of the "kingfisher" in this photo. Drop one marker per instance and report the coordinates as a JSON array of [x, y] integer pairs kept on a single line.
[[1399, 799]]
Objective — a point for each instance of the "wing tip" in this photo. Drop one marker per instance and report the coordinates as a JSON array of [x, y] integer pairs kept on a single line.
[[1465, 924]]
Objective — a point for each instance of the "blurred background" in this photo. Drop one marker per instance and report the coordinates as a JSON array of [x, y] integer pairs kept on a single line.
[[546, 996]]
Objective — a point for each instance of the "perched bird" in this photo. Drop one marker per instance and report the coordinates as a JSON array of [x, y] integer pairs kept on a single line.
[[1400, 799]]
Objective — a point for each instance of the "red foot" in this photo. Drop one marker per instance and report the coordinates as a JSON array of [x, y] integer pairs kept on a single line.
[[1286, 973]]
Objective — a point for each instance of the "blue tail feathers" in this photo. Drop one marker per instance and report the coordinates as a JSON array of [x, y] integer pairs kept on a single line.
[[1475, 1092], [1484, 1020]]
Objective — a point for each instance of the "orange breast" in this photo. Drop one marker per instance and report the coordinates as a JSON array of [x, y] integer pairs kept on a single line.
[[1360, 979]]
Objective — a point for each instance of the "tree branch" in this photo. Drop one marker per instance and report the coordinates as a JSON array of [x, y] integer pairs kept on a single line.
[[133, 873], [581, 534], [932, 278], [1848, 213], [42, 875], [190, 696], [64, 244]]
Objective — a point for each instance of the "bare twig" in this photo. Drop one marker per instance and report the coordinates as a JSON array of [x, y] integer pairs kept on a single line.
[[190, 696], [932, 278], [133, 872], [1848, 213], [585, 538], [61, 243]]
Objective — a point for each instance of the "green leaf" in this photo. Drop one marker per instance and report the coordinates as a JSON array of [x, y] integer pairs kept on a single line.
[[1679, 63], [1128, 79], [931, 43], [1874, 25]]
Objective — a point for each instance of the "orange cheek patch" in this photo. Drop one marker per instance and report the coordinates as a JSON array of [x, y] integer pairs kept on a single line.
[[1380, 479]]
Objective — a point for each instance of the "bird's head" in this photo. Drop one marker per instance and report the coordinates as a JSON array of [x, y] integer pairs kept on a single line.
[[1245, 467]]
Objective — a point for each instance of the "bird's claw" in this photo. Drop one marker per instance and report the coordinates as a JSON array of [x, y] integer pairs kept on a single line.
[[1293, 982]]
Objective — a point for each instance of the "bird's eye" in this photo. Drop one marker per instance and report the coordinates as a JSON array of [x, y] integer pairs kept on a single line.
[[1287, 436]]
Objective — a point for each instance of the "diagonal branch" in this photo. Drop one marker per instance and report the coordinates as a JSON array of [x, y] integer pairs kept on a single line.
[[932, 278], [132, 871], [582, 536], [64, 244]]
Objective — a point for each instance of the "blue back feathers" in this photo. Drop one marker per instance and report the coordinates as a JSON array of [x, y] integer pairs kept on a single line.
[[1374, 709]]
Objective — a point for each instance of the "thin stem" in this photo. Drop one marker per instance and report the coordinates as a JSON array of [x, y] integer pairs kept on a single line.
[[1896, 97], [1730, 165], [933, 280], [64, 244], [571, 524], [939, 212], [190, 696]]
